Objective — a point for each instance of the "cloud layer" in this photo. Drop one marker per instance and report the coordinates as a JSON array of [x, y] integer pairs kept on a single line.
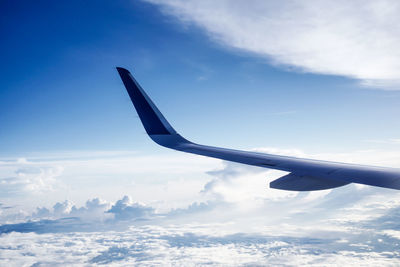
[[244, 223], [356, 39], [196, 245], [233, 219]]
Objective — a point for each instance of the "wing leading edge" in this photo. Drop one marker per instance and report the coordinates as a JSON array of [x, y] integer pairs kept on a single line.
[[305, 174]]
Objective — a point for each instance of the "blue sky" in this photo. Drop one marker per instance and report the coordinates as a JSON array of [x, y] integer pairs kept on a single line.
[[60, 91], [78, 173]]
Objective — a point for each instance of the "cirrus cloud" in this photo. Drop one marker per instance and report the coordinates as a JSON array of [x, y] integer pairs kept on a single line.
[[356, 39]]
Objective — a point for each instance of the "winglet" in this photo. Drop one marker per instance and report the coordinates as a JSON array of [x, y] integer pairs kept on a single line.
[[152, 119]]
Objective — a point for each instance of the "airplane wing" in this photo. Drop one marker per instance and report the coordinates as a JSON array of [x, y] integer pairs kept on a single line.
[[305, 174]]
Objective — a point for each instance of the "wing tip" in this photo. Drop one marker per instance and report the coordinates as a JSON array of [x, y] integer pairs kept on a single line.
[[152, 119], [122, 70]]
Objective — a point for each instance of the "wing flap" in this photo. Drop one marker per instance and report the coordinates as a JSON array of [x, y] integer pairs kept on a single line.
[[295, 182]]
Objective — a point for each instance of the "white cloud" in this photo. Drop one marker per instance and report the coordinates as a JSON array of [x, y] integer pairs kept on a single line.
[[356, 39], [360, 229], [125, 209], [172, 178], [94, 210], [239, 184], [28, 178], [196, 245], [233, 218]]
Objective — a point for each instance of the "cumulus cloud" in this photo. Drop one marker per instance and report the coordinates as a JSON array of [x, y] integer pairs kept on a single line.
[[356, 39], [29, 178], [237, 220], [126, 209], [94, 209], [96, 214], [43, 180], [235, 190], [361, 228]]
